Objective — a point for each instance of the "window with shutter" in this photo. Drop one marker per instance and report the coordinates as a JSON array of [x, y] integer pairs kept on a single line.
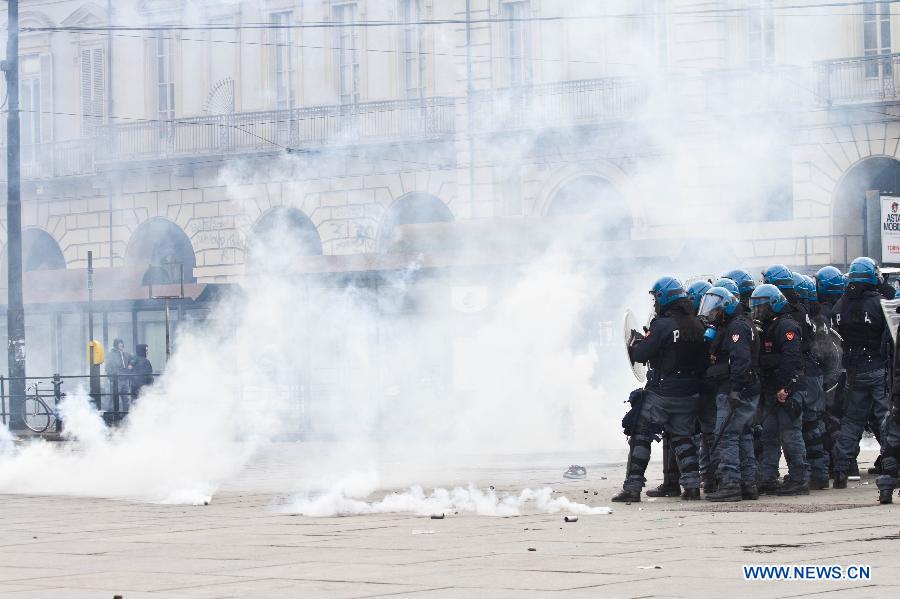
[[30, 96], [346, 44], [93, 89], [518, 40]]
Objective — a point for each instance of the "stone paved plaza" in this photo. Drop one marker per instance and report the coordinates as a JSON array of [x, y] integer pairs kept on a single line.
[[242, 546]]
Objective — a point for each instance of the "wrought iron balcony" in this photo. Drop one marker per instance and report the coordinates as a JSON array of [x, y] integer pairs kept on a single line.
[[859, 80], [587, 101], [249, 132], [56, 159]]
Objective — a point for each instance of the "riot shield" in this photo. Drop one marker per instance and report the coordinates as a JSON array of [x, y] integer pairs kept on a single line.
[[631, 324]]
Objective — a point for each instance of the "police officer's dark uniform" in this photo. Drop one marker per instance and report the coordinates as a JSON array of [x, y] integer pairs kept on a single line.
[[812, 425], [735, 352], [781, 369], [676, 353], [859, 319]]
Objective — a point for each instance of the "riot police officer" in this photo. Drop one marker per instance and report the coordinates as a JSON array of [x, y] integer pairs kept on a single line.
[[735, 351], [829, 289], [860, 321], [706, 415], [670, 486], [813, 427], [676, 354], [781, 369]]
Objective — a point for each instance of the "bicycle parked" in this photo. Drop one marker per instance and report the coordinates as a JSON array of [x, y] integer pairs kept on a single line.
[[36, 414]]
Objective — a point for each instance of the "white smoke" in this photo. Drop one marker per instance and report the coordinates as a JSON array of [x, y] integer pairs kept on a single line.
[[347, 497]]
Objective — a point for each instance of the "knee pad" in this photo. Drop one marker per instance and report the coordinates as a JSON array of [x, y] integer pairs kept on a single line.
[[684, 447]]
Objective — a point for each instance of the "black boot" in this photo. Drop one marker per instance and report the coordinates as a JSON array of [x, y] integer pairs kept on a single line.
[[710, 485], [627, 496], [749, 492], [885, 496], [768, 487], [818, 484], [840, 480], [665, 490], [793, 487], [726, 493], [854, 469], [690, 495]]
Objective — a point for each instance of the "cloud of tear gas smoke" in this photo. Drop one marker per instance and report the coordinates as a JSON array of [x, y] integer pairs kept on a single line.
[[347, 498], [519, 388]]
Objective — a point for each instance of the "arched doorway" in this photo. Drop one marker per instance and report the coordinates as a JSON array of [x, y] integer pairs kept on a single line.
[[597, 204], [848, 211], [411, 209], [280, 236], [160, 242], [39, 252]]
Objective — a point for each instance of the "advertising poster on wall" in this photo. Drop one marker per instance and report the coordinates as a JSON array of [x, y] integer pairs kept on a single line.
[[890, 230]]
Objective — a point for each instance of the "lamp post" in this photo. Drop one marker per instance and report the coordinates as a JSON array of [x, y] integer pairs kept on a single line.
[[163, 275], [15, 309]]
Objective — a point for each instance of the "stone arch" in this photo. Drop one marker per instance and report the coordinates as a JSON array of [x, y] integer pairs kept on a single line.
[[880, 173], [281, 235], [158, 242], [414, 208], [598, 204], [40, 251]]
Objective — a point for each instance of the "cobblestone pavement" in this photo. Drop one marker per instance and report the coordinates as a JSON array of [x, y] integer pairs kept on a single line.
[[241, 546]]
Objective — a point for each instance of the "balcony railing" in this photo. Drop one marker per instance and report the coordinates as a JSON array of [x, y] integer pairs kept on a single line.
[[859, 80], [57, 159], [271, 130], [581, 102]]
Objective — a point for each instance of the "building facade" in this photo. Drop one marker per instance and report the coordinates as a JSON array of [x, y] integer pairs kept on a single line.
[[198, 132]]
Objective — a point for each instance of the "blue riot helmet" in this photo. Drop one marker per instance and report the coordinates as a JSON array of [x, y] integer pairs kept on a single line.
[[717, 302], [728, 284], [805, 288], [767, 302], [779, 275], [809, 285], [696, 291], [744, 281], [863, 271], [829, 282], [798, 293], [665, 291]]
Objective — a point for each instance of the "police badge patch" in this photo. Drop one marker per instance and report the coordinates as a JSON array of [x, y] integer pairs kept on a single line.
[[789, 335], [735, 338]]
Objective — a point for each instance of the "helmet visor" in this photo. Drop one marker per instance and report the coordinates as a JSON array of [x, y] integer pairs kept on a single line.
[[711, 307], [761, 308]]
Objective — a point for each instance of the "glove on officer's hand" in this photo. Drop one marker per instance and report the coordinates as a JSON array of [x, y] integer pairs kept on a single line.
[[635, 396], [735, 399], [634, 337]]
